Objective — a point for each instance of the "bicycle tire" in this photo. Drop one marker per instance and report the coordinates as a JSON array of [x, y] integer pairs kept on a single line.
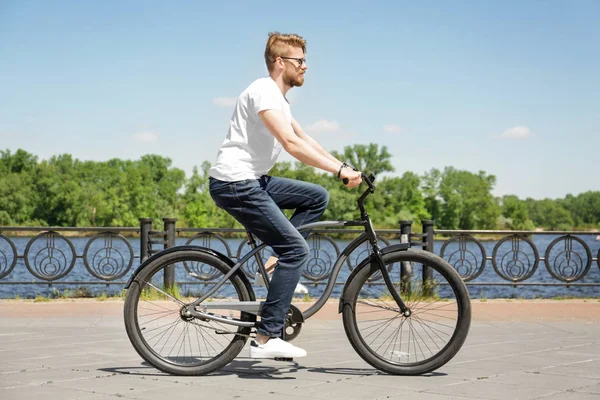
[[166, 363], [360, 277]]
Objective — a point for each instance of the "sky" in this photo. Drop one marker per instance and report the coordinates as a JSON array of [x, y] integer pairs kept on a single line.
[[511, 88]]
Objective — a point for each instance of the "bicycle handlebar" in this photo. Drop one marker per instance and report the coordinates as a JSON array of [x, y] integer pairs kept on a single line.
[[367, 179]]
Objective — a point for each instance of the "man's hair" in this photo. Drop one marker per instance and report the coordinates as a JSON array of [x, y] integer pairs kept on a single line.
[[278, 44]]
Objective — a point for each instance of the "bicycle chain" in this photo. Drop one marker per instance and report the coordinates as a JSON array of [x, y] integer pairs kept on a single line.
[[221, 332]]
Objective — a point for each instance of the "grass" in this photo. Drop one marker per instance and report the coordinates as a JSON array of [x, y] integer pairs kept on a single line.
[[149, 293], [78, 293], [565, 297], [482, 298], [423, 292], [39, 298]]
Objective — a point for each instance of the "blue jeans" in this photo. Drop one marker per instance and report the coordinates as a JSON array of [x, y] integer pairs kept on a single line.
[[257, 204]]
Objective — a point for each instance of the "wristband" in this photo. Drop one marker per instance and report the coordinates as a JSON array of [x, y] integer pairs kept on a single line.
[[340, 171]]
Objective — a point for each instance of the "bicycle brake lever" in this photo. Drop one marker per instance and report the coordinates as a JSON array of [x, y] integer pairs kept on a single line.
[[370, 179]]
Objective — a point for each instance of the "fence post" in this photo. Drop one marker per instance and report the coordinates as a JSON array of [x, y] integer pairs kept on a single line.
[[427, 246], [145, 228], [169, 228], [405, 267]]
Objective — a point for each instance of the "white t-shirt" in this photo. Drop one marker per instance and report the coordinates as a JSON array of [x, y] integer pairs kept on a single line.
[[250, 150]]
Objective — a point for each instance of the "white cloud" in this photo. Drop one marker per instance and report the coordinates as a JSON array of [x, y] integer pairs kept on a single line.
[[323, 126], [146, 137], [392, 128], [226, 102], [516, 132]]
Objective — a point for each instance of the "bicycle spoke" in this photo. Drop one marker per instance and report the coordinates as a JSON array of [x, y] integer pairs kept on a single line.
[[156, 319], [157, 312], [165, 294], [378, 306], [415, 333], [386, 320], [437, 323], [410, 339], [185, 340], [432, 331], [175, 322]]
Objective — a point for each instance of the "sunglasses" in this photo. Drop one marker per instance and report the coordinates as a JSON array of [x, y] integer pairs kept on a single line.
[[301, 61]]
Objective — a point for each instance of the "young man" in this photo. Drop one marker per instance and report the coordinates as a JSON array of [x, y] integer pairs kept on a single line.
[[260, 127]]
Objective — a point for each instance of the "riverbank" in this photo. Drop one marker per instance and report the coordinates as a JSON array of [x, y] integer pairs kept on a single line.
[[506, 310]]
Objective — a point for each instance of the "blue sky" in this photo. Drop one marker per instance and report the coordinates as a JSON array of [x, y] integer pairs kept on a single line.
[[511, 88]]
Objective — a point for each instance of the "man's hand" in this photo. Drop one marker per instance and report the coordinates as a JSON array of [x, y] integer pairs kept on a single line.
[[354, 177]]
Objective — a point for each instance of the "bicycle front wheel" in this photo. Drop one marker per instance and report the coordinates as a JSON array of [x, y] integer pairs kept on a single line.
[[439, 320], [164, 335]]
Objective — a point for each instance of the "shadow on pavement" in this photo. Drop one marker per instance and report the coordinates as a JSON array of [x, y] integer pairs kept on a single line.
[[251, 369]]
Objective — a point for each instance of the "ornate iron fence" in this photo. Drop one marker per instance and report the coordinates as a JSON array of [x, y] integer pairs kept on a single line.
[[516, 258], [108, 256]]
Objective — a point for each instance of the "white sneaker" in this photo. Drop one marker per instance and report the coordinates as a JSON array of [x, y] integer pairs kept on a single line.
[[275, 347], [259, 281]]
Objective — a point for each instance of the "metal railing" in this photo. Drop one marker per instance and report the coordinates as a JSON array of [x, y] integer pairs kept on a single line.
[[109, 257]]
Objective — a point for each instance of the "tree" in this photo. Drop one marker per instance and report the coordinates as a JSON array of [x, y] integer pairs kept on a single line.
[[65, 191], [398, 199], [549, 214], [467, 200], [584, 208], [430, 187], [199, 209], [21, 161], [515, 210], [367, 158]]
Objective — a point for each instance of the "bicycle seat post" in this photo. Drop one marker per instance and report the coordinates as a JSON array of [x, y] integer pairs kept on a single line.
[[259, 261]]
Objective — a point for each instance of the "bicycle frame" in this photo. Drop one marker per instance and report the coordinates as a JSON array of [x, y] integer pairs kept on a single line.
[[254, 307]]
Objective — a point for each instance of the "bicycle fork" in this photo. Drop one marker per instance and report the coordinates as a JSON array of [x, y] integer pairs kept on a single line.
[[388, 282], [370, 231]]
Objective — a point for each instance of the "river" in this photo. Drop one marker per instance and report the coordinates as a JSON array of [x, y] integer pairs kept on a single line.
[[20, 273]]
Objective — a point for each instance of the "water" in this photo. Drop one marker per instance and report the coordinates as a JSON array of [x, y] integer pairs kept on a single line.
[[115, 263]]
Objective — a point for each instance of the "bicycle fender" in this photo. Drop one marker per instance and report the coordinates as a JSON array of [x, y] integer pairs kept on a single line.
[[386, 250], [207, 250]]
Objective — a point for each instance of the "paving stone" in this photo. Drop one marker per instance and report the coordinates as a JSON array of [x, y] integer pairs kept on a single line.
[[91, 358]]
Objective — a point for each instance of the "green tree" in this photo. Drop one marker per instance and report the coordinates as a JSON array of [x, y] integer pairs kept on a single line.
[[549, 214], [584, 208], [367, 158], [515, 210], [17, 163], [430, 187], [68, 192], [398, 199], [467, 200], [199, 209]]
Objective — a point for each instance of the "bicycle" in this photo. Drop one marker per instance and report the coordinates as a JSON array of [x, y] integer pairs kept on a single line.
[[196, 332]]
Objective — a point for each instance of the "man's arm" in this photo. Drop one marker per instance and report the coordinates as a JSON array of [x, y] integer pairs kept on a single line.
[[312, 142], [300, 149]]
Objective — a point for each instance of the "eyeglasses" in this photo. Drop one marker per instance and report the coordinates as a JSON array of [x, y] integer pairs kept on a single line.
[[301, 61]]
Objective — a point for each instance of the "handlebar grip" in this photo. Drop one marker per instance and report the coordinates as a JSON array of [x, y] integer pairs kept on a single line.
[[367, 179]]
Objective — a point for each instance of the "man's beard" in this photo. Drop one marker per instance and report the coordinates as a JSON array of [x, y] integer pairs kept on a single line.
[[294, 80]]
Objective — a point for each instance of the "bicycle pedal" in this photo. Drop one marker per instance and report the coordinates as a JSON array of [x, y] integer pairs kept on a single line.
[[288, 359]]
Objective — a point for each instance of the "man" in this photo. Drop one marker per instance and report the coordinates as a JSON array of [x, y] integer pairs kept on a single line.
[[261, 125]]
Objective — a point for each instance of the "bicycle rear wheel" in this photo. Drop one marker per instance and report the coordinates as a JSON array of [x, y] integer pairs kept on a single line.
[[165, 337], [422, 342]]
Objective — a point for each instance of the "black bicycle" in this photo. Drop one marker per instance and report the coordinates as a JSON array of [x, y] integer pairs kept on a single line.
[[189, 310]]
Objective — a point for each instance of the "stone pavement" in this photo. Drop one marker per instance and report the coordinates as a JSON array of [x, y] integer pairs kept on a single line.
[[64, 356]]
